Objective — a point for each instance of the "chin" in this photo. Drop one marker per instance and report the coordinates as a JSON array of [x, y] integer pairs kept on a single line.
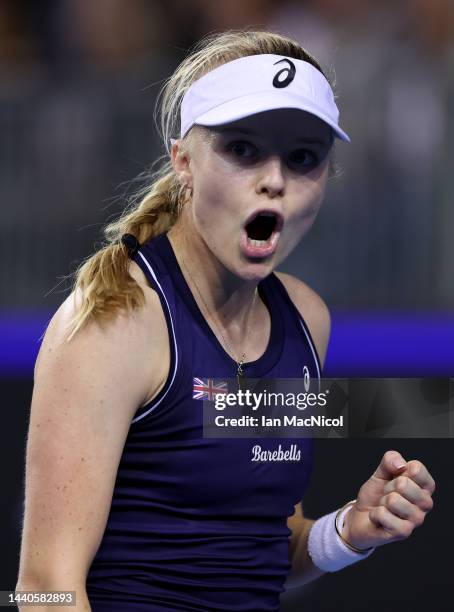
[[256, 270]]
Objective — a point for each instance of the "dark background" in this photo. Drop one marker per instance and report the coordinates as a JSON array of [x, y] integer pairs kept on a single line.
[[78, 82]]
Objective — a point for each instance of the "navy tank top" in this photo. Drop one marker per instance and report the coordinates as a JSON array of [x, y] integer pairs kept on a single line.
[[194, 523]]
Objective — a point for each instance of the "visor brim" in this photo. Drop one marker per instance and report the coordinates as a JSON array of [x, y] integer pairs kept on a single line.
[[245, 106]]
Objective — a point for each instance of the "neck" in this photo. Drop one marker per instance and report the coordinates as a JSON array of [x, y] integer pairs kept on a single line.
[[227, 298]]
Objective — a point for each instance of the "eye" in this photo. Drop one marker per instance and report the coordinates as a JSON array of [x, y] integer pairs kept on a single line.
[[242, 149], [303, 158]]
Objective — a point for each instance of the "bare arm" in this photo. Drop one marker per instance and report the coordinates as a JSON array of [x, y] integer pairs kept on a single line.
[[85, 395]]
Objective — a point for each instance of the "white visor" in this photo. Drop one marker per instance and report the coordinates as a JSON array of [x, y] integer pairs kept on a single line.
[[255, 84]]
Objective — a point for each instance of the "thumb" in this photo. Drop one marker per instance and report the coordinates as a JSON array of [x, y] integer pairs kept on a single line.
[[391, 464]]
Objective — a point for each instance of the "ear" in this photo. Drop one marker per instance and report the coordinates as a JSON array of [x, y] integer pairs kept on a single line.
[[181, 159]]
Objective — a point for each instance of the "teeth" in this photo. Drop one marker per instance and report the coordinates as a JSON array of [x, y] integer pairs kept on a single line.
[[257, 242]]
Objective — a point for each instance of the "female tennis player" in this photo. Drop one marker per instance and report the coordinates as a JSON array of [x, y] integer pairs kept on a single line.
[[127, 503]]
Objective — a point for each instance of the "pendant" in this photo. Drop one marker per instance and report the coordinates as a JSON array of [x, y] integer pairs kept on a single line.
[[240, 373]]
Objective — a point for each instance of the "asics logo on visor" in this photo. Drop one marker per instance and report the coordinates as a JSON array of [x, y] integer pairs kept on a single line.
[[289, 71]]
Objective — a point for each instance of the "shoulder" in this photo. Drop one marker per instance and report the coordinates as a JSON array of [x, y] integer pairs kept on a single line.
[[129, 348], [125, 327], [312, 308]]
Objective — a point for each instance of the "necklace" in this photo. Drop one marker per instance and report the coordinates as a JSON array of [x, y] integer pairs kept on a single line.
[[239, 362]]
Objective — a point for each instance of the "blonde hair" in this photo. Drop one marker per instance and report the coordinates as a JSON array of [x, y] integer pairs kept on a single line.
[[103, 281]]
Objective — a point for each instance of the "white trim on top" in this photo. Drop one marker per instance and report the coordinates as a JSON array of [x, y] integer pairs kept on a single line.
[[173, 339], [312, 347]]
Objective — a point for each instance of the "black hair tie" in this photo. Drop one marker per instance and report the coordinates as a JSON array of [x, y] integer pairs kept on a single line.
[[131, 243]]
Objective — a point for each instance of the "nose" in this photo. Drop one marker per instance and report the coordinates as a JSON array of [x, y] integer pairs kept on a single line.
[[271, 179]]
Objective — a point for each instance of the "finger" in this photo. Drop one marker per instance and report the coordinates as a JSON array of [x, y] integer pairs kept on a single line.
[[411, 491], [395, 527], [401, 507], [418, 472], [391, 464]]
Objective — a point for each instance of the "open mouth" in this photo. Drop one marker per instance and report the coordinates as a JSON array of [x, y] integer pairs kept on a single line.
[[262, 232], [260, 229]]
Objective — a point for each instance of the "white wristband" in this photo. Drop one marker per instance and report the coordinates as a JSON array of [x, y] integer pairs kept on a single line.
[[325, 547]]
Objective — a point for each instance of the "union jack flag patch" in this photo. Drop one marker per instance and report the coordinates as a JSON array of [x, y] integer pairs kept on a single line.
[[208, 388]]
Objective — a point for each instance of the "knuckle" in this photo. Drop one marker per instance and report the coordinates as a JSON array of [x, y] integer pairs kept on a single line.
[[415, 467], [401, 484], [419, 519], [393, 500], [428, 504], [377, 513], [381, 512]]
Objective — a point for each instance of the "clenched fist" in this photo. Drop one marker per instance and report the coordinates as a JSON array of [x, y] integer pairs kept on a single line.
[[394, 501]]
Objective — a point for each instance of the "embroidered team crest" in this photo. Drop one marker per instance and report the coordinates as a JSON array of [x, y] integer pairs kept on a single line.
[[208, 388]]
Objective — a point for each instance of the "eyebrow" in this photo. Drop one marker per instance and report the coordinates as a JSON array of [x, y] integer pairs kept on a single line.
[[305, 139]]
